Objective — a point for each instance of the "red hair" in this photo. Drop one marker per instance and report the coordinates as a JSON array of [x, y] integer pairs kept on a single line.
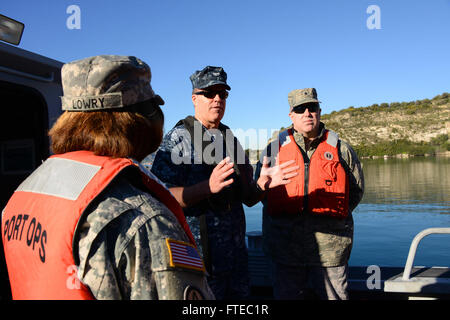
[[118, 134]]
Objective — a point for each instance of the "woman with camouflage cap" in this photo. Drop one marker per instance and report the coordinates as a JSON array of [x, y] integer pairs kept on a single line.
[[90, 222]]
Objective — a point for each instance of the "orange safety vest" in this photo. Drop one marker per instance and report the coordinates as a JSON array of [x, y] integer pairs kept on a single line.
[[321, 185], [40, 221]]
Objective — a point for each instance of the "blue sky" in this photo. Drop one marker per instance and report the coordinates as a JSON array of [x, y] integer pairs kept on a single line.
[[268, 48]]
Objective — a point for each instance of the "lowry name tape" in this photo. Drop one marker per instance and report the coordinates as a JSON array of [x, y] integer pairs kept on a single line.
[[92, 103]]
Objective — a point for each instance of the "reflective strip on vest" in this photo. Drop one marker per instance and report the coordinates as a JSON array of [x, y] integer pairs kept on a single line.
[[332, 138], [64, 178], [40, 220]]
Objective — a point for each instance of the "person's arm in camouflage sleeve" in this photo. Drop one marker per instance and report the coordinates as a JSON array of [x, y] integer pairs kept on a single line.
[[170, 168], [124, 255], [355, 173], [190, 195], [161, 281]]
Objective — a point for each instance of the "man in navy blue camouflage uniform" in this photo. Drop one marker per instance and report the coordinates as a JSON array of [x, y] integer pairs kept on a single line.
[[205, 168]]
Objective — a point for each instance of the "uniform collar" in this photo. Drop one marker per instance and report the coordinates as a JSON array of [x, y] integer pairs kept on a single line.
[[301, 141]]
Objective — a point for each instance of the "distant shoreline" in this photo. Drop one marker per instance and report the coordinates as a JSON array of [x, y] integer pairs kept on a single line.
[[406, 156]]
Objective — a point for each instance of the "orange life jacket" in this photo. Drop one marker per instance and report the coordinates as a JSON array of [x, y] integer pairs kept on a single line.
[[321, 185], [40, 220]]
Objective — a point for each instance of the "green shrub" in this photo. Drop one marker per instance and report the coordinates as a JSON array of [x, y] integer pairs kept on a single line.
[[393, 148]]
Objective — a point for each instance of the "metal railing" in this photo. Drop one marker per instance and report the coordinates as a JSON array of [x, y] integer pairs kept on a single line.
[[413, 248]]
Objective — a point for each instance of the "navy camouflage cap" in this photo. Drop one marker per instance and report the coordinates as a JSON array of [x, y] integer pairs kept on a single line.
[[208, 77], [106, 82], [301, 96]]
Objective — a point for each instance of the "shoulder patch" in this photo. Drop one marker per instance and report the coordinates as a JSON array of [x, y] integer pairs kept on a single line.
[[328, 155], [184, 255], [192, 293]]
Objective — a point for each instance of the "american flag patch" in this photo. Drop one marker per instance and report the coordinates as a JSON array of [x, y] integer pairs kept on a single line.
[[185, 255]]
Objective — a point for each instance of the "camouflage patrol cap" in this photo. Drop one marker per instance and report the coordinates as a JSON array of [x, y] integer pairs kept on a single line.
[[301, 96], [208, 77], [106, 82]]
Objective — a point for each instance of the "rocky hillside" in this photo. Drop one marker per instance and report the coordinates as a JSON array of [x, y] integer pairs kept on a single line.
[[417, 121], [399, 128], [415, 127]]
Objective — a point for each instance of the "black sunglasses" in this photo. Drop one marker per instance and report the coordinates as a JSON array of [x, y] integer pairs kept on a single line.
[[312, 107], [147, 108], [210, 94]]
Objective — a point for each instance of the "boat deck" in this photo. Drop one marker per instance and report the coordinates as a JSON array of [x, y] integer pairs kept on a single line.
[[364, 282]]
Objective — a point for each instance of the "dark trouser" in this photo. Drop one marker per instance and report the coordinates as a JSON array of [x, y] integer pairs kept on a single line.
[[290, 282], [230, 286]]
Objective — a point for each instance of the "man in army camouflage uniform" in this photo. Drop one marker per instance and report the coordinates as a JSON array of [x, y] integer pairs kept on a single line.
[[125, 242], [205, 168], [311, 240]]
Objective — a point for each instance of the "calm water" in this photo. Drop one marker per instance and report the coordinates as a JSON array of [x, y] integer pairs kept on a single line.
[[402, 197]]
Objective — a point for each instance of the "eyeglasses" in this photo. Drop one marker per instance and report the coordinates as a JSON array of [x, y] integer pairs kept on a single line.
[[148, 108], [312, 107], [210, 94]]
